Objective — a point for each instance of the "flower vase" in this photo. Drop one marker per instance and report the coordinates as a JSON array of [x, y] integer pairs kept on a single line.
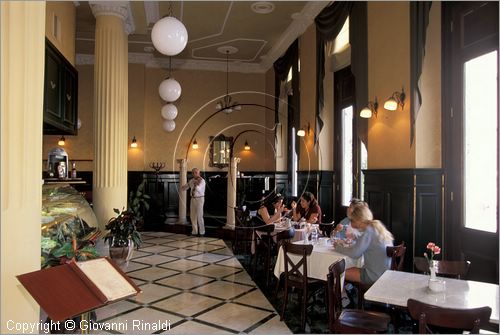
[[432, 270]]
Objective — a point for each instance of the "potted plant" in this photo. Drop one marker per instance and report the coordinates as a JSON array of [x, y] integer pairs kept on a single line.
[[122, 235], [138, 203]]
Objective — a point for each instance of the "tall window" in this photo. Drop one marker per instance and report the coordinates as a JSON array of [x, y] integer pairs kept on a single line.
[[347, 156], [480, 142]]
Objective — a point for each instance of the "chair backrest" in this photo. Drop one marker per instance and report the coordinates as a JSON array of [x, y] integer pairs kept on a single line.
[[452, 269], [453, 319], [296, 272], [285, 236], [242, 217], [326, 228], [397, 254], [334, 288]]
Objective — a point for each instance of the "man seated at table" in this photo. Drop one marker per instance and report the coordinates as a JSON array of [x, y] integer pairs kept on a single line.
[[371, 244], [344, 230], [272, 205], [307, 208]]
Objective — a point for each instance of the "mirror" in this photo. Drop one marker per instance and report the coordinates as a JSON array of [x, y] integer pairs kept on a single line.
[[220, 151]]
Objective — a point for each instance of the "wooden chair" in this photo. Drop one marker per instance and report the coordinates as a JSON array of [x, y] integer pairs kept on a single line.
[[281, 238], [350, 321], [451, 269], [263, 247], [243, 232], [296, 277], [455, 320], [397, 254]]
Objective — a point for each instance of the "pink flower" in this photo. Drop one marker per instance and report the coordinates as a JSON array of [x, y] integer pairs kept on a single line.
[[434, 250]]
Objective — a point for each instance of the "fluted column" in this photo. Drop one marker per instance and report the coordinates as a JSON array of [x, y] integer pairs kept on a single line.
[[22, 69], [231, 192], [182, 194], [110, 109]]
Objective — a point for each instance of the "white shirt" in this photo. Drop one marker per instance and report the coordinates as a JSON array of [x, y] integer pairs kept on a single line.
[[197, 190]]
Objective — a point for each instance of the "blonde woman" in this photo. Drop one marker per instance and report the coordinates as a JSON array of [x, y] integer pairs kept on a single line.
[[371, 244]]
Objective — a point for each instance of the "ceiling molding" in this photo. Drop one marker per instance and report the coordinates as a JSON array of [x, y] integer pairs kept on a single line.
[[152, 10], [223, 26], [300, 23], [150, 61], [222, 58], [121, 9]]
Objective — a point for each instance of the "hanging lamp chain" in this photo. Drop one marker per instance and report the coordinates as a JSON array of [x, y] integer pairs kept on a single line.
[[170, 11]]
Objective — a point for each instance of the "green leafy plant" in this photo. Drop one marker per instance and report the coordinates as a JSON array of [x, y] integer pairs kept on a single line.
[[122, 228], [138, 201], [66, 242]]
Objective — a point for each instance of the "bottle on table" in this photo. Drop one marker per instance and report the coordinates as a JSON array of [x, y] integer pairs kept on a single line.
[[73, 170]]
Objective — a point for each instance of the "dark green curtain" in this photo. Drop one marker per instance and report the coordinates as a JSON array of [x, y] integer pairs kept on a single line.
[[419, 20], [358, 38], [328, 25], [281, 68]]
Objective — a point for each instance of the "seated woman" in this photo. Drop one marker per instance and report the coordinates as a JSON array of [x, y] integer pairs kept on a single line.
[[344, 229], [371, 244], [307, 208], [275, 206]]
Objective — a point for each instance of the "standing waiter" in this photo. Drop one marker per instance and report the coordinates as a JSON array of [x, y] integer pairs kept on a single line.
[[197, 186]]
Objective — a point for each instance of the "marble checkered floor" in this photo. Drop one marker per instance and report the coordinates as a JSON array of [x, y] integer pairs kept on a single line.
[[196, 285]]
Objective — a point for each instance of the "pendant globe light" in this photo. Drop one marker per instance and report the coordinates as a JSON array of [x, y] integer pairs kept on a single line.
[[170, 90], [169, 125], [169, 112], [169, 35]]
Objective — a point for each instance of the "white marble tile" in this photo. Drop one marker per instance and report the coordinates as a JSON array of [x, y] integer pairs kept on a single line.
[[193, 327], [153, 292], [155, 259], [145, 321], [273, 326], [234, 316], [208, 257]]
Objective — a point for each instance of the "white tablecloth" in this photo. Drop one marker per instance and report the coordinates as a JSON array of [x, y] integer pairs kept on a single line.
[[318, 262]]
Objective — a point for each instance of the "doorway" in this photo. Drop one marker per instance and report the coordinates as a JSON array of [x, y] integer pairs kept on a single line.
[[470, 135]]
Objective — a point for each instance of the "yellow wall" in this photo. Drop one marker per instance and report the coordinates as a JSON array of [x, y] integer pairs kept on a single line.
[[66, 12], [388, 70], [22, 68], [428, 125], [201, 91], [307, 52]]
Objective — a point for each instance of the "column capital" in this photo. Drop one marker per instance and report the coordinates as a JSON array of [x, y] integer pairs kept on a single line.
[[120, 9]]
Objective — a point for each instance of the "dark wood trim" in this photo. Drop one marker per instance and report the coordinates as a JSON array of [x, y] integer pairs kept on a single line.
[[409, 202]]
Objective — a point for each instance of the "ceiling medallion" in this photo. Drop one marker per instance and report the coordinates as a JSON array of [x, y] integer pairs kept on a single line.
[[262, 7]]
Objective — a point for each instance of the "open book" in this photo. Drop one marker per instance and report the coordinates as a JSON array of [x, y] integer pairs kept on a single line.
[[68, 290]]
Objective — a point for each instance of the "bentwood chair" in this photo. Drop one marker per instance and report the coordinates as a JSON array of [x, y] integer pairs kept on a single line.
[[281, 238], [442, 319], [263, 247], [397, 255], [243, 232], [451, 269], [296, 277], [350, 321]]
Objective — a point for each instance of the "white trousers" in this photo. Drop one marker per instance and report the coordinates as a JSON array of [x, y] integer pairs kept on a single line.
[[196, 215]]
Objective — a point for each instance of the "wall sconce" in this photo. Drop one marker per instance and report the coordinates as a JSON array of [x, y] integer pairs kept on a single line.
[[371, 109], [397, 98], [247, 146], [62, 141], [195, 145], [133, 144], [301, 132]]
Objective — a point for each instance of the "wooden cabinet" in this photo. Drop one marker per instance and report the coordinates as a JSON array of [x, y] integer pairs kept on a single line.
[[60, 103]]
